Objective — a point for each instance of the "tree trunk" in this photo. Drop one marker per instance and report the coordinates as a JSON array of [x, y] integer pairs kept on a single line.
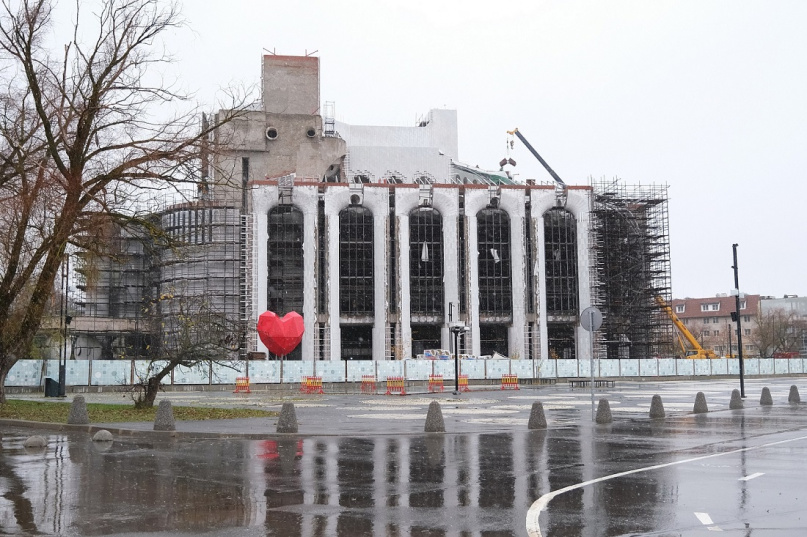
[[150, 390], [4, 369]]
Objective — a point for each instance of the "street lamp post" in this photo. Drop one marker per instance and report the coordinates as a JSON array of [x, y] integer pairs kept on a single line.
[[736, 293]]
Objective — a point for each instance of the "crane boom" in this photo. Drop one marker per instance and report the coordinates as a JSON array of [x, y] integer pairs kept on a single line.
[[697, 350], [535, 153]]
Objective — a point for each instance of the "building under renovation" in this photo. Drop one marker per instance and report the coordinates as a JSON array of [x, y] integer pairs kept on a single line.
[[383, 241]]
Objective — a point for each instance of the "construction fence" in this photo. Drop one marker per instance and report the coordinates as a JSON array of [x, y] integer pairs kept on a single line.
[[32, 373]]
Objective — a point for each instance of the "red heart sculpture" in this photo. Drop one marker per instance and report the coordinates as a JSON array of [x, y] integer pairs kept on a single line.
[[280, 335]]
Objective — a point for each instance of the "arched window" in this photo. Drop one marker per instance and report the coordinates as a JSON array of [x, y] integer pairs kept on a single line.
[[285, 260], [356, 283], [426, 262], [495, 277]]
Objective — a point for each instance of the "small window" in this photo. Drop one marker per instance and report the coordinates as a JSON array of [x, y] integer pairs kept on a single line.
[[747, 331], [706, 333], [746, 318], [742, 304], [704, 307], [715, 320], [714, 307], [680, 308], [717, 332], [707, 320], [749, 348]]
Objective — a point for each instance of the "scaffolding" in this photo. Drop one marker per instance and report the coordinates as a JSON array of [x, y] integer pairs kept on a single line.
[[135, 297], [630, 266]]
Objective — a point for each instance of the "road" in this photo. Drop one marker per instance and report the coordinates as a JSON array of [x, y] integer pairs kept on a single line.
[[362, 466]]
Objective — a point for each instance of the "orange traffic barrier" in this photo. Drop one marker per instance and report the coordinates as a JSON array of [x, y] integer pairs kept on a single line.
[[395, 385], [463, 383], [510, 382], [435, 383], [311, 385], [368, 384], [242, 385]]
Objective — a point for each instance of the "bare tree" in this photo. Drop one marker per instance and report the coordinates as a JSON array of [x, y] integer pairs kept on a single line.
[[194, 334], [778, 330], [81, 138]]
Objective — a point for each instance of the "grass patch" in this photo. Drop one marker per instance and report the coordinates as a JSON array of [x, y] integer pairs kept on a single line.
[[105, 413]]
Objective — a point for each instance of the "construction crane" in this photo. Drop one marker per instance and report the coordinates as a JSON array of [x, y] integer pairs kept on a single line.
[[696, 350], [560, 190]]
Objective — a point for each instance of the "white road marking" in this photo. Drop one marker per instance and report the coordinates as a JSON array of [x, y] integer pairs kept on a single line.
[[705, 519], [534, 529], [752, 476]]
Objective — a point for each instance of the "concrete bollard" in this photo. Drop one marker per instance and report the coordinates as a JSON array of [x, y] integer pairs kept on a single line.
[[793, 397], [657, 408], [766, 399], [78, 412], [287, 422], [736, 402], [102, 436], [603, 412], [434, 419], [700, 404], [537, 418], [164, 419]]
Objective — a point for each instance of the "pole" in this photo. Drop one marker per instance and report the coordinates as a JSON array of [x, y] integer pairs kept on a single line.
[[456, 362], [65, 318], [739, 323], [591, 360]]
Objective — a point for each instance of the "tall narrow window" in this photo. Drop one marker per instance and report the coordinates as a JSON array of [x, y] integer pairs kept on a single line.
[[495, 286], [426, 262], [356, 289], [560, 235], [285, 259]]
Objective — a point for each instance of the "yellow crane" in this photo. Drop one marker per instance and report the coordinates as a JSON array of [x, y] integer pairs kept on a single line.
[[696, 351]]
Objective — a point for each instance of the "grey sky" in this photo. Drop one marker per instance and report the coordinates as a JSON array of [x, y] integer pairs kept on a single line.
[[708, 97]]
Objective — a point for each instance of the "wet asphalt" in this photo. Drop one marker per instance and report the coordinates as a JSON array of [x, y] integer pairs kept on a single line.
[[362, 465]]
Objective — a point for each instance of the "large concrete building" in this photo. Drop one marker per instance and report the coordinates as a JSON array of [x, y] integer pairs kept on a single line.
[[383, 241]]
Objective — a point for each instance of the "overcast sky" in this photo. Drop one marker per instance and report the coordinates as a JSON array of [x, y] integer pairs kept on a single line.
[[707, 97]]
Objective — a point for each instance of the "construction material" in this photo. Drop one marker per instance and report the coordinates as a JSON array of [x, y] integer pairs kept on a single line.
[[242, 385], [368, 384], [509, 382], [396, 385], [311, 385]]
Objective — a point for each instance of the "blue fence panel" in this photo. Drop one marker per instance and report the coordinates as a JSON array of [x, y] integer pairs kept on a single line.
[[609, 368], [199, 374], [648, 367], [446, 368], [750, 366], [567, 368], [358, 368], [686, 367], [796, 365], [497, 368], [227, 372], [766, 366], [547, 369], [475, 369], [781, 366], [389, 368], [522, 368], [420, 369], [145, 368], [294, 371], [332, 370], [666, 367], [720, 366], [584, 368], [77, 372], [28, 373], [111, 372], [264, 372], [629, 367], [733, 366], [702, 367]]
